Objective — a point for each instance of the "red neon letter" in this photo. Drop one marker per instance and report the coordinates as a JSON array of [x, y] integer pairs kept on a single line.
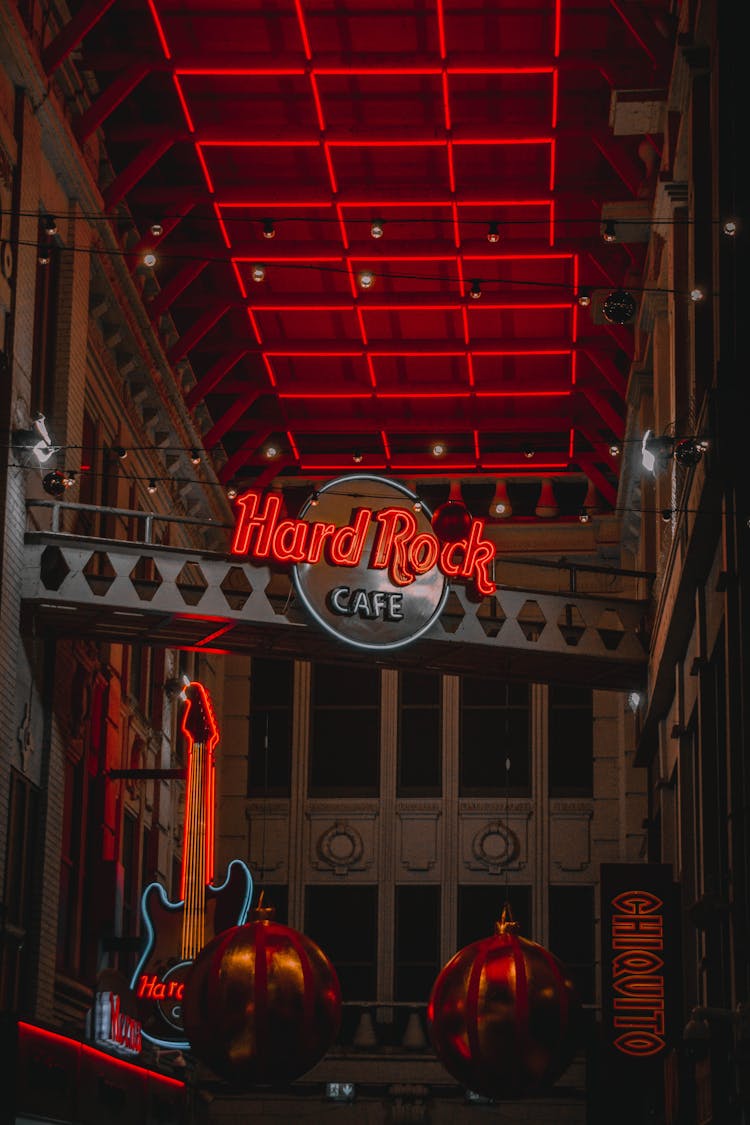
[[423, 553], [249, 521], [347, 545], [289, 541], [479, 554], [397, 526]]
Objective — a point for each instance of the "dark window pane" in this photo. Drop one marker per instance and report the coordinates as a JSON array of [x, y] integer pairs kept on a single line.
[[495, 726], [571, 742], [479, 908], [345, 736], [420, 735], [571, 934], [344, 923], [417, 947], [271, 709]]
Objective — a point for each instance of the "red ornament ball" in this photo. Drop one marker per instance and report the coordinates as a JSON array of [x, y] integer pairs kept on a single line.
[[452, 521], [503, 1015], [262, 1003]]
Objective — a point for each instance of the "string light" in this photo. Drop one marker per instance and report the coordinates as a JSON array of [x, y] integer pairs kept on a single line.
[[730, 228], [49, 225], [609, 234], [357, 458], [121, 452], [149, 259], [438, 449], [493, 232], [366, 279], [232, 492], [527, 451], [258, 272], [314, 500], [376, 228], [270, 451], [584, 516], [476, 289], [157, 230], [417, 505], [195, 457], [584, 298], [615, 449], [152, 485], [44, 256], [269, 230], [697, 295]]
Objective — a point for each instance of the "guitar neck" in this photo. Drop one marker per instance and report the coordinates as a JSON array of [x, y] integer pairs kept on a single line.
[[197, 858]]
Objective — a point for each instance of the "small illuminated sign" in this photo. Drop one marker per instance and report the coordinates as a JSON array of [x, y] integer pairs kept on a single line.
[[640, 947], [113, 1027], [365, 564]]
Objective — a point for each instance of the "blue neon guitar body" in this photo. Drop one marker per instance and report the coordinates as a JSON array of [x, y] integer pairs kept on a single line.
[[161, 972]]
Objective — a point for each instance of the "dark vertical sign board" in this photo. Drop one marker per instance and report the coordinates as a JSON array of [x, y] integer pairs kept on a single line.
[[641, 1005]]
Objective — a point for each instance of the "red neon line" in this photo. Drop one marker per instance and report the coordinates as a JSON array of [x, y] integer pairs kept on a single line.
[[500, 69], [302, 29], [188, 813], [573, 368], [571, 444], [238, 275], [318, 103], [337, 395], [451, 168], [456, 225], [239, 71], [494, 141], [386, 446], [361, 322], [446, 103], [159, 29], [393, 142], [543, 257], [411, 355], [477, 453], [552, 222], [523, 394], [441, 27], [210, 835], [312, 464], [574, 327], [403, 258], [555, 97], [558, 26], [85, 1049], [183, 103], [293, 444], [223, 229], [470, 368], [350, 275], [342, 228], [254, 326], [269, 369], [289, 260], [33, 1032], [547, 351], [204, 166], [218, 633], [552, 156], [254, 204], [331, 173], [257, 142], [524, 465], [276, 354], [371, 370]]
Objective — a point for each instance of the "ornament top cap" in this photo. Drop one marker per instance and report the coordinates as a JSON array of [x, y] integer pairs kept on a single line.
[[261, 912], [507, 925]]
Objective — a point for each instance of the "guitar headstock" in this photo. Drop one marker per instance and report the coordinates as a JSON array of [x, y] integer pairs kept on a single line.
[[199, 721]]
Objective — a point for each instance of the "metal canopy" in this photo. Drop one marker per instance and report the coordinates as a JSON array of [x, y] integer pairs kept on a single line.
[[445, 122]]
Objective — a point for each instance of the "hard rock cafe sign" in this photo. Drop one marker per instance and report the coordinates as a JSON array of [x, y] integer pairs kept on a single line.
[[365, 561]]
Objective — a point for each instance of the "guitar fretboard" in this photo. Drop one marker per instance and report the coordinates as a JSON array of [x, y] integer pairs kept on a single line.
[[198, 825]]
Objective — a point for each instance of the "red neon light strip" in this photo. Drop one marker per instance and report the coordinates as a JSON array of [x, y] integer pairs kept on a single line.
[[491, 141], [456, 225], [204, 166], [451, 169], [238, 275], [159, 29], [257, 142], [361, 322], [552, 155], [183, 103], [293, 444], [318, 103], [269, 369], [470, 367], [254, 204], [342, 396], [571, 444], [303, 29], [386, 446], [552, 222], [558, 27], [219, 633], [500, 69], [342, 228], [254, 325], [441, 27], [188, 814], [239, 71], [446, 103], [224, 232], [331, 172], [555, 97]]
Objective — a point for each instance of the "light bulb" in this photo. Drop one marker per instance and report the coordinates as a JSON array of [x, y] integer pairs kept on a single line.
[[493, 232], [584, 298], [583, 516], [609, 234], [258, 272], [438, 449], [614, 450], [314, 500], [417, 505], [149, 259], [528, 452], [366, 279], [121, 452], [376, 228], [730, 228], [269, 230], [50, 225], [697, 295], [271, 451], [357, 458], [157, 230], [195, 457], [231, 492], [152, 486], [476, 290]]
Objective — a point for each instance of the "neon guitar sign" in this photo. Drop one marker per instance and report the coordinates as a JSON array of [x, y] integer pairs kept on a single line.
[[177, 931]]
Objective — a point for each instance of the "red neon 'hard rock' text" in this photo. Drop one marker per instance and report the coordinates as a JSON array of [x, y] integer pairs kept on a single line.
[[151, 988], [637, 940], [397, 547]]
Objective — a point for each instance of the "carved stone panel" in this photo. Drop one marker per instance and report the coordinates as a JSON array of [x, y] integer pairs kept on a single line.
[[495, 844], [268, 850], [570, 839], [419, 838], [342, 845]]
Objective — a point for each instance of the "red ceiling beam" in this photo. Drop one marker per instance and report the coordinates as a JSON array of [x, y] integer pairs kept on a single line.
[[589, 466], [231, 135], [231, 416], [114, 95], [657, 48], [214, 376], [630, 171], [611, 417], [177, 285], [602, 359], [74, 31], [470, 416], [196, 332], [136, 170], [496, 296], [416, 348]]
